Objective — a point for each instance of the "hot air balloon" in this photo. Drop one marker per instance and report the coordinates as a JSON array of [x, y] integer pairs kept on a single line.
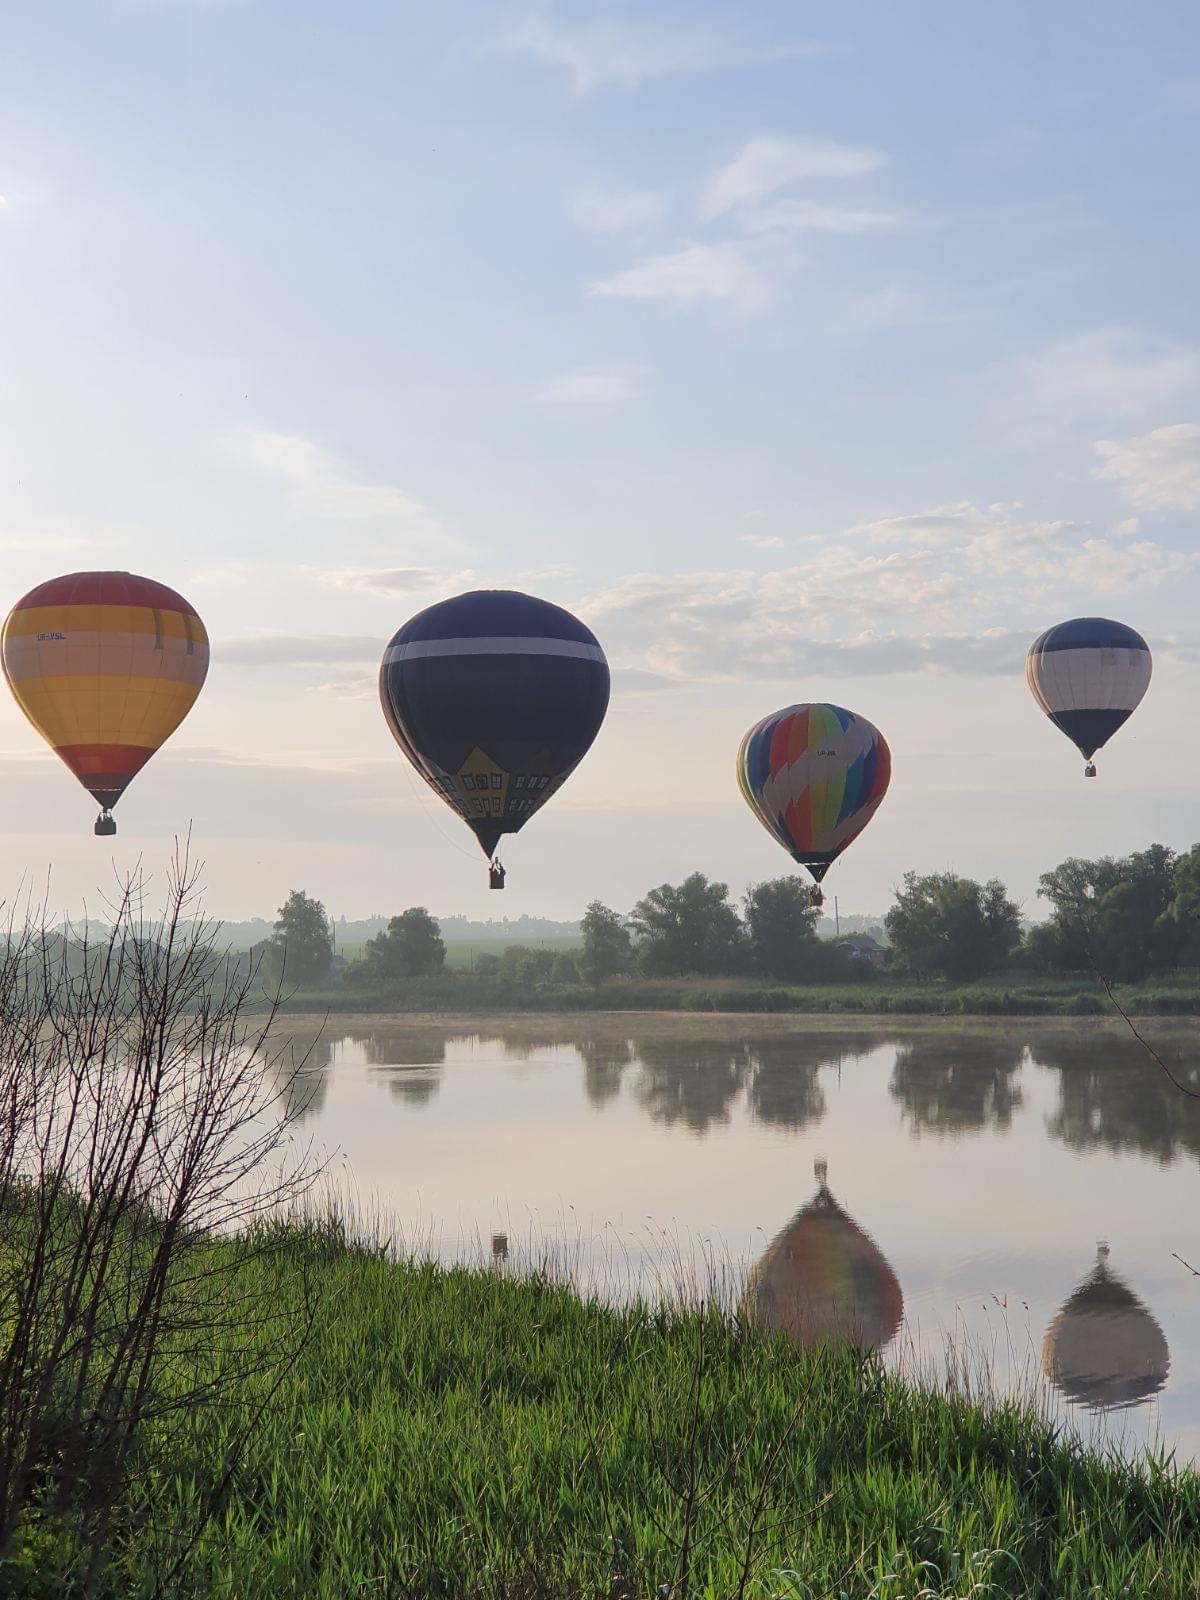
[[1104, 1350], [823, 1281], [105, 665], [495, 697], [1088, 676], [814, 776]]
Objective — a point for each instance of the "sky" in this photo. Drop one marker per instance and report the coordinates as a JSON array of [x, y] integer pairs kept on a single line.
[[807, 353]]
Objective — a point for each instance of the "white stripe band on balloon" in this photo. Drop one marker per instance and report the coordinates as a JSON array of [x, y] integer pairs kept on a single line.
[[418, 649]]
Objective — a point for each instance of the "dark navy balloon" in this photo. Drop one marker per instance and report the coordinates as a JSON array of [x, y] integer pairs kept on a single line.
[[1088, 675], [495, 698]]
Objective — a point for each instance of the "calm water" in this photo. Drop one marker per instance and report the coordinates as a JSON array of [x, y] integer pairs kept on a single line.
[[970, 1178]]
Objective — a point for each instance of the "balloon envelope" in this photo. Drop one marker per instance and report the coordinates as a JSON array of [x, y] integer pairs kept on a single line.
[[105, 665], [1088, 676], [814, 775], [495, 698]]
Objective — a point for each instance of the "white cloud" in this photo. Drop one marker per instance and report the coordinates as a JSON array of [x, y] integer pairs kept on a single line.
[[603, 211], [763, 541], [765, 165], [805, 216], [40, 541], [1160, 469], [299, 649], [907, 607], [1110, 372], [319, 484], [604, 384], [1108, 568], [397, 580], [696, 272], [893, 306], [627, 52]]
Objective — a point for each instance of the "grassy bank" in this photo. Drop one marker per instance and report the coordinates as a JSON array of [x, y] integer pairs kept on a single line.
[[449, 1433], [467, 992]]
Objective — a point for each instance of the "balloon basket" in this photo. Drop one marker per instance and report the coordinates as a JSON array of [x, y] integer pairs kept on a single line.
[[106, 826], [1090, 770], [495, 875]]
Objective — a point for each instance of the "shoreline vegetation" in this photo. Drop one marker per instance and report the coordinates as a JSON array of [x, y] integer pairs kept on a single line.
[[219, 1381], [459, 1431], [461, 993]]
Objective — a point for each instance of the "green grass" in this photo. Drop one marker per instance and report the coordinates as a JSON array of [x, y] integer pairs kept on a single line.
[[460, 991], [453, 1433]]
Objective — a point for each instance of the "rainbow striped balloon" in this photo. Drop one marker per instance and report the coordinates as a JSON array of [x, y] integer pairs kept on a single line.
[[105, 665], [814, 776]]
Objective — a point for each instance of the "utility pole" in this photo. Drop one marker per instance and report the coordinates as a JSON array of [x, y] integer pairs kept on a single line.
[[837, 921]]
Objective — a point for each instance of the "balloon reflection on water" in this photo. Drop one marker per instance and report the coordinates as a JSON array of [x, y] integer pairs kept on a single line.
[[1104, 1350], [823, 1281]]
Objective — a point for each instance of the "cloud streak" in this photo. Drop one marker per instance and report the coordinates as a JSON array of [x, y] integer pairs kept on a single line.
[[608, 383], [319, 484], [766, 165], [618, 52], [1160, 469], [696, 273]]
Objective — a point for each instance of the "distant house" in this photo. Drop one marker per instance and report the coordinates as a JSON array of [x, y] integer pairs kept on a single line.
[[863, 948]]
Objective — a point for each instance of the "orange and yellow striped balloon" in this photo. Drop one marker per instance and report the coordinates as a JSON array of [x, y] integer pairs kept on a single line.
[[105, 665]]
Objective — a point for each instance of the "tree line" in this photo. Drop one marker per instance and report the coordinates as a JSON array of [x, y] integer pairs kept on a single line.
[[1126, 918]]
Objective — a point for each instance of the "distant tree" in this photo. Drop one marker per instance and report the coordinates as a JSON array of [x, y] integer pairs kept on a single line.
[[688, 927], [410, 947], [607, 948], [487, 965], [781, 928], [524, 966], [1115, 916], [302, 945], [1184, 910], [565, 968], [951, 927]]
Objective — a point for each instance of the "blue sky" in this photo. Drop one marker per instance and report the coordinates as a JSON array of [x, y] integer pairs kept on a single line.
[[806, 352]]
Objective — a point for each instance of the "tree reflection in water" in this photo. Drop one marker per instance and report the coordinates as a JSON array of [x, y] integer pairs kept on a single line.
[[1104, 1350], [951, 1086], [823, 1281], [694, 1083], [1112, 1096]]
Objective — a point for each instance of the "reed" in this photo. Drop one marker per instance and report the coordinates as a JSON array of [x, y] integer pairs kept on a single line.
[[493, 1432]]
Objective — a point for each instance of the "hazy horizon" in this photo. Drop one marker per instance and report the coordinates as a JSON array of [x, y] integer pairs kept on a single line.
[[804, 354]]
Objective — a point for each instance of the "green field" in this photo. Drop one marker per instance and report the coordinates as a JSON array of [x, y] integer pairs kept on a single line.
[[454, 1433], [460, 956], [460, 991]]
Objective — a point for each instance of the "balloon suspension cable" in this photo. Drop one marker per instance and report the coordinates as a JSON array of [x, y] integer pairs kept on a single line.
[[105, 825], [1090, 770], [495, 873]]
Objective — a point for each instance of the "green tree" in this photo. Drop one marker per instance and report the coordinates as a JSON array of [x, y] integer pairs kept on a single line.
[[951, 927], [781, 928], [302, 945], [410, 947], [688, 928], [607, 948], [565, 969], [1115, 917], [524, 966], [1184, 910]]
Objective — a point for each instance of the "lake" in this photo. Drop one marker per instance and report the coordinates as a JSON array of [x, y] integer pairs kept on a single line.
[[1007, 1200]]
